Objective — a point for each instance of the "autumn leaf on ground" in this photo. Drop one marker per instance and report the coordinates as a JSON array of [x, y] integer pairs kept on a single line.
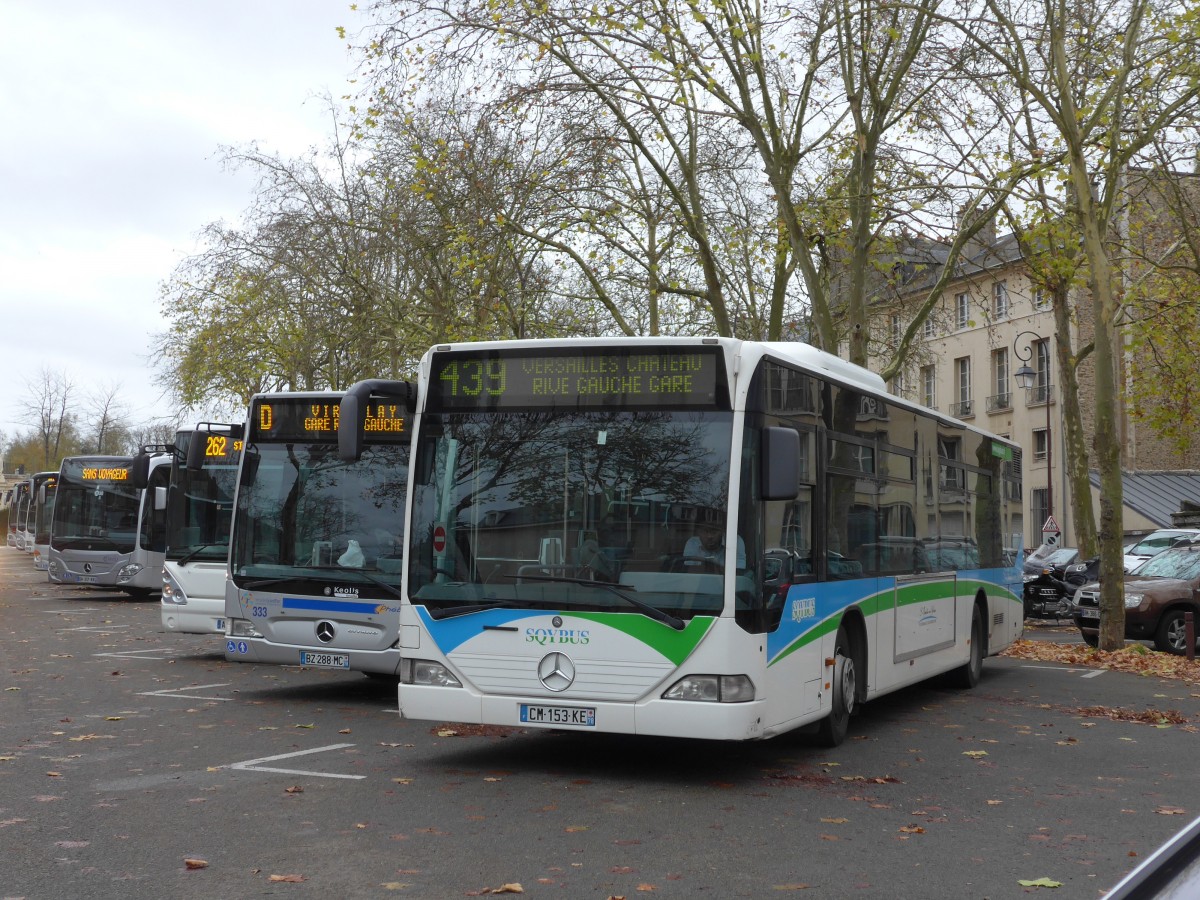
[[193, 863], [513, 888], [293, 879], [294, 789], [975, 754], [1170, 811], [309, 725], [912, 829], [1135, 658], [1040, 882]]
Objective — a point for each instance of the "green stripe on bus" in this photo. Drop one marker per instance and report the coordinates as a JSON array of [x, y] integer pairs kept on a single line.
[[676, 646]]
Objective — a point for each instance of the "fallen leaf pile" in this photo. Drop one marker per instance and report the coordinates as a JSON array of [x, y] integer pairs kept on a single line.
[[1135, 658]]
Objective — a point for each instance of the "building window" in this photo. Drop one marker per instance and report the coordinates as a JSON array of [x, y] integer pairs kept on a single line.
[[962, 386], [897, 332], [929, 331], [962, 368], [1000, 300], [1041, 440], [1042, 388], [1001, 397], [962, 310], [900, 384], [929, 386], [1041, 299]]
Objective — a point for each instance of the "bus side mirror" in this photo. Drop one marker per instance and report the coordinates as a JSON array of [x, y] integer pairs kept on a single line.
[[352, 413], [195, 451], [139, 471], [780, 463]]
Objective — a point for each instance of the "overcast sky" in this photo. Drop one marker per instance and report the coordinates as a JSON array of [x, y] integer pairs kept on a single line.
[[114, 114]]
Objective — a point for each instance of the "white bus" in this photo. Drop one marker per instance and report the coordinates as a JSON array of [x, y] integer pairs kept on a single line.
[[316, 554], [204, 462], [693, 537], [105, 532], [42, 490], [18, 516]]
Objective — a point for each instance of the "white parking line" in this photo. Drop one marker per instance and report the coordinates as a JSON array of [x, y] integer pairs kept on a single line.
[[72, 611], [175, 692], [1091, 673], [252, 765], [139, 654]]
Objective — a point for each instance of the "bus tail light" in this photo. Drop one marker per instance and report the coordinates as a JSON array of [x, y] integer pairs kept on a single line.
[[712, 689], [426, 672]]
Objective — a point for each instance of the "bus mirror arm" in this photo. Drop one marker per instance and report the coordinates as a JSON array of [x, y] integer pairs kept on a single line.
[[780, 463], [353, 412]]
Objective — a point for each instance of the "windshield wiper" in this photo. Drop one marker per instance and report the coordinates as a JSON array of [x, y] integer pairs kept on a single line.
[[621, 591], [390, 588], [451, 611], [195, 551], [256, 583]]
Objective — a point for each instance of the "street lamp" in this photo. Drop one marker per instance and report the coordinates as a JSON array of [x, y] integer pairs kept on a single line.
[[1026, 378]]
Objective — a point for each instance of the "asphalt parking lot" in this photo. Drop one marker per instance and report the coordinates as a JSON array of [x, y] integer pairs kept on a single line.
[[138, 763]]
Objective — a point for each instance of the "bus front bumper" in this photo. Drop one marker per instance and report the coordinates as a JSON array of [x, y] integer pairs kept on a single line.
[[666, 718]]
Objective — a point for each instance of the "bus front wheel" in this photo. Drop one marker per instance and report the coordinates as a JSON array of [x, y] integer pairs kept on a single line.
[[833, 728]]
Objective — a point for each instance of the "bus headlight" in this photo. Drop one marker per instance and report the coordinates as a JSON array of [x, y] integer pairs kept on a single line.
[[712, 689], [243, 628], [426, 672], [128, 572], [172, 592]]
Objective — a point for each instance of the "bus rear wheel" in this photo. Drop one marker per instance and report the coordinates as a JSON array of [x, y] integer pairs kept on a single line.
[[833, 728]]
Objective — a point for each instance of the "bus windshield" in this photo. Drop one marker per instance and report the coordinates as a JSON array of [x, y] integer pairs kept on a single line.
[[580, 510], [93, 511], [198, 526], [304, 513]]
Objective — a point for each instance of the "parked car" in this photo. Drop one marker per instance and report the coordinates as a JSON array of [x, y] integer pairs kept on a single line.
[[1154, 543], [1158, 595]]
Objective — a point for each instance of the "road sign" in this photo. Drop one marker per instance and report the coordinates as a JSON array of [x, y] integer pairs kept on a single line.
[[1051, 527], [439, 539]]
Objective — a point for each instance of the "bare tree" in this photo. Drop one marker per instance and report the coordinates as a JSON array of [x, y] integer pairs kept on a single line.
[[47, 408]]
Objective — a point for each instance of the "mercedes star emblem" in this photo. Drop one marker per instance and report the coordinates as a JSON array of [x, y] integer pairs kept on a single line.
[[325, 632], [556, 671]]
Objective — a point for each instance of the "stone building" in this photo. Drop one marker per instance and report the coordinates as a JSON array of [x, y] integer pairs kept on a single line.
[[991, 321]]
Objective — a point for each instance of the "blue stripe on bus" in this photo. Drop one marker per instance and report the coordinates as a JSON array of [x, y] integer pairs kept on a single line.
[[342, 606]]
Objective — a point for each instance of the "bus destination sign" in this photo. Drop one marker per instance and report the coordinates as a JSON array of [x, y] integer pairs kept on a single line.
[[316, 419], [591, 377], [221, 447]]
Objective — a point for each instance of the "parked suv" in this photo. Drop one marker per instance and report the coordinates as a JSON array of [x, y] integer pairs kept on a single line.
[[1157, 595]]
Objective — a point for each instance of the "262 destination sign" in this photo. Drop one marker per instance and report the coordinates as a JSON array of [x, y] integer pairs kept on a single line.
[[593, 377]]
